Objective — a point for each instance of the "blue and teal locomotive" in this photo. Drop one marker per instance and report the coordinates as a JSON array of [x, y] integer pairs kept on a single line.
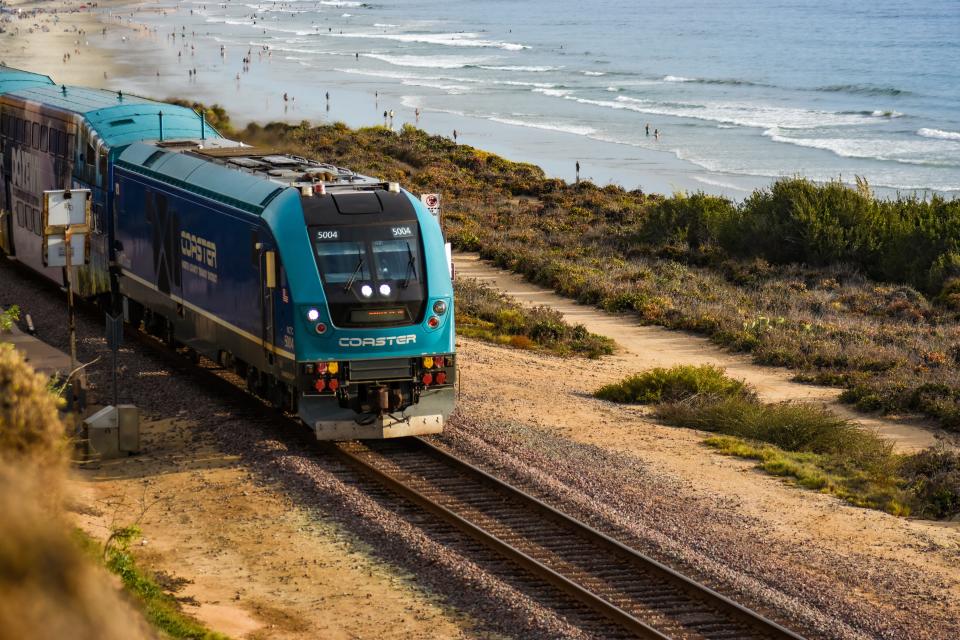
[[327, 291]]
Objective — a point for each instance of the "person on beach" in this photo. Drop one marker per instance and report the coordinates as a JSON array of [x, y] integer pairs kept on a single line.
[[454, 136], [656, 134], [384, 118], [416, 113], [578, 172], [647, 127]]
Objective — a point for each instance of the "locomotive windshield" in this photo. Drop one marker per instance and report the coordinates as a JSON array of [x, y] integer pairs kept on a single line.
[[373, 275]]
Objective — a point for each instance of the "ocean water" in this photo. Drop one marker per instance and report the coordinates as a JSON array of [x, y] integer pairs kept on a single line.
[[740, 91]]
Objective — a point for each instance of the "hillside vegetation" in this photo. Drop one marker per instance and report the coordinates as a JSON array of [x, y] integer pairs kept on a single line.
[[51, 581], [844, 288], [49, 587]]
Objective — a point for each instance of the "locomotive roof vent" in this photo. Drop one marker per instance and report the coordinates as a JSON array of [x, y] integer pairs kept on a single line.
[[357, 203], [280, 161]]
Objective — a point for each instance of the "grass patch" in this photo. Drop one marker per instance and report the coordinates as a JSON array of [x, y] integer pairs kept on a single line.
[[486, 314], [822, 473], [674, 384], [806, 442], [161, 609], [825, 453]]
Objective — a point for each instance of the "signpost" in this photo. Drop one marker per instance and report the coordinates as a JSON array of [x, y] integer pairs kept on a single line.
[[114, 333], [66, 222], [432, 202]]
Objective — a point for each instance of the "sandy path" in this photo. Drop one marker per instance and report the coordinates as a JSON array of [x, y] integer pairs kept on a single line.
[[643, 347]]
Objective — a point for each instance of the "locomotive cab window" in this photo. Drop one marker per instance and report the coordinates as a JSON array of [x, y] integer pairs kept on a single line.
[[373, 274], [396, 260], [338, 261]]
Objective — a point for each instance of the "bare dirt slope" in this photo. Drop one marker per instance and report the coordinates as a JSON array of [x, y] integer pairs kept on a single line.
[[643, 347], [255, 564]]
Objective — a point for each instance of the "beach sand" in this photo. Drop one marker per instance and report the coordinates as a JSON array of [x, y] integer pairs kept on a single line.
[[38, 41]]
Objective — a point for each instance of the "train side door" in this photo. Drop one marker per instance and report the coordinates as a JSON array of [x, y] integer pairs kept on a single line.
[[268, 284]]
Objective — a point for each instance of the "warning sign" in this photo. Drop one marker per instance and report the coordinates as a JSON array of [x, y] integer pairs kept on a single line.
[[432, 202]]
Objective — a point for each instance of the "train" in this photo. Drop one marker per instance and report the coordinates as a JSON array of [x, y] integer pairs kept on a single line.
[[328, 292]]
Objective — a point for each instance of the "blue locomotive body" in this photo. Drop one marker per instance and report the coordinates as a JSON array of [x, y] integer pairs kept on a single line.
[[327, 291]]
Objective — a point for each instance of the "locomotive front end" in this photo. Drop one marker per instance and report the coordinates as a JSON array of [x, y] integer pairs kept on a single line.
[[376, 354]]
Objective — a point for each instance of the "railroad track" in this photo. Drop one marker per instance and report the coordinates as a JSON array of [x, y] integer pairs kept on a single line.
[[631, 592], [638, 594], [642, 596]]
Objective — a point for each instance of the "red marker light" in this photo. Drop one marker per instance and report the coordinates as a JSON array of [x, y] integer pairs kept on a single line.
[[321, 328], [441, 378], [333, 384], [438, 361], [321, 367], [427, 379], [319, 385], [433, 322]]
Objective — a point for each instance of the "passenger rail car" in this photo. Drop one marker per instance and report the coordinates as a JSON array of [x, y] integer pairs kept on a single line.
[[327, 291]]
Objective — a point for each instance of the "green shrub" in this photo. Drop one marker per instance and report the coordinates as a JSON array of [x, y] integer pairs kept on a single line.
[[8, 317], [933, 476], [693, 220], [792, 426], [674, 384], [821, 473]]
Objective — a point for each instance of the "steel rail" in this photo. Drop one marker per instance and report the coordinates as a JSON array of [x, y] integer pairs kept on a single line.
[[535, 567], [694, 590]]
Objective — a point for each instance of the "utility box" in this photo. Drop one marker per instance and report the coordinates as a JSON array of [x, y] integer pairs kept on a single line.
[[113, 432], [128, 428]]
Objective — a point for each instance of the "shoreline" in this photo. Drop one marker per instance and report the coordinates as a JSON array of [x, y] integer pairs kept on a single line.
[[119, 53]]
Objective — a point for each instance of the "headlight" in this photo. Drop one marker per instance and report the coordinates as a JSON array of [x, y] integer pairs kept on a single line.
[[366, 291], [384, 289], [313, 315], [439, 307]]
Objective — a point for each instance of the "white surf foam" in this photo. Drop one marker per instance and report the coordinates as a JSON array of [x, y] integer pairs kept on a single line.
[[427, 62], [914, 152], [452, 89], [441, 39], [556, 93], [404, 75], [743, 114], [593, 73], [549, 126], [939, 134], [517, 68]]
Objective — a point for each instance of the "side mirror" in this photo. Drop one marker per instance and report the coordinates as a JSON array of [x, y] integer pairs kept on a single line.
[[270, 269]]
